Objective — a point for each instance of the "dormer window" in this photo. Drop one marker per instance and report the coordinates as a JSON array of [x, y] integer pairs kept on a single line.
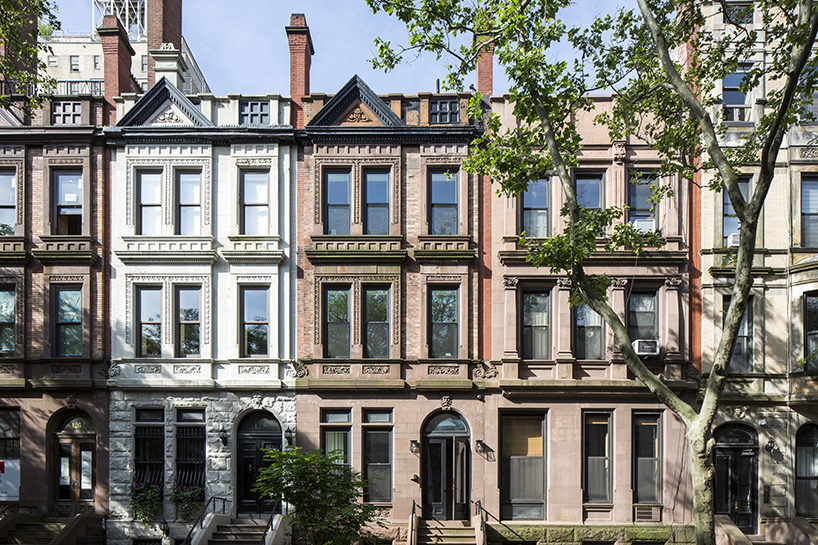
[[444, 112], [254, 112]]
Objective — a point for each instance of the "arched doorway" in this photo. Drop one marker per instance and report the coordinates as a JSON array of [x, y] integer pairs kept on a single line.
[[447, 471], [258, 430], [74, 448], [736, 490]]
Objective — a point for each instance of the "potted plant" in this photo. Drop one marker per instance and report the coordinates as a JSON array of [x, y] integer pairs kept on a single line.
[[187, 499], [146, 499]]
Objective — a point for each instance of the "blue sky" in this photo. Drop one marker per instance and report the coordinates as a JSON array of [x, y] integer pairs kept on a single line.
[[241, 46]]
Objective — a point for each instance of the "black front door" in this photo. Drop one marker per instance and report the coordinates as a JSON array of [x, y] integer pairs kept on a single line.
[[257, 432], [447, 483], [251, 459], [736, 486]]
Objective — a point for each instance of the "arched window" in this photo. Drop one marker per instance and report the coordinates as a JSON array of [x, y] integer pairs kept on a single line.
[[806, 470]]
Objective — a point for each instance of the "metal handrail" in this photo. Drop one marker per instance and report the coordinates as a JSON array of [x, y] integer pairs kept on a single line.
[[267, 529], [200, 520], [480, 512], [410, 537], [500, 522]]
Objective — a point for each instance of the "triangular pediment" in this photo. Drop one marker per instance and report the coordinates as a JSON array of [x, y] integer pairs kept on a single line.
[[8, 119], [164, 105], [355, 105]]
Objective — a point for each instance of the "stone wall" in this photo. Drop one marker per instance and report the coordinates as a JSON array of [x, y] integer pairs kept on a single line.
[[222, 408]]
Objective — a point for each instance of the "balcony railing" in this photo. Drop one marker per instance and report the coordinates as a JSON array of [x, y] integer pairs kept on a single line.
[[62, 88], [15, 88]]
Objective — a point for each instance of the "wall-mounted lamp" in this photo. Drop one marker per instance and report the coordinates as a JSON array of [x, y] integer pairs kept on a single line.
[[770, 446], [480, 447], [223, 436], [289, 436], [163, 526], [414, 446]]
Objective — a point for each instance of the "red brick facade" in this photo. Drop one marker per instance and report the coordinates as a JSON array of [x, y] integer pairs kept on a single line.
[[164, 25]]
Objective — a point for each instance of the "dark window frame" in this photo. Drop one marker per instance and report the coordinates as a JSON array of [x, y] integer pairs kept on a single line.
[[607, 459], [369, 204], [67, 227], [258, 114], [811, 335], [327, 325], [366, 321], [370, 427], [576, 334], [591, 176], [61, 325], [330, 425], [183, 207], [527, 330], [530, 209], [803, 444], [330, 205], [632, 326], [245, 323], [142, 205], [245, 204], [736, 111], [809, 179], [452, 175], [743, 342], [140, 324], [66, 112], [444, 111], [433, 352], [657, 458], [9, 210], [182, 323], [8, 329]]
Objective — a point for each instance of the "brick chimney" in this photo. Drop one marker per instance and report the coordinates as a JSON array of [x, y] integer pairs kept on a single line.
[[485, 70], [301, 52], [117, 53], [164, 27]]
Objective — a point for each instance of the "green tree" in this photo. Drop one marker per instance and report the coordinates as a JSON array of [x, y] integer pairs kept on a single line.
[[19, 64], [663, 64], [324, 493]]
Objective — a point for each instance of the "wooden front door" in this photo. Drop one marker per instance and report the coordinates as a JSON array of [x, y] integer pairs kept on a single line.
[[74, 450]]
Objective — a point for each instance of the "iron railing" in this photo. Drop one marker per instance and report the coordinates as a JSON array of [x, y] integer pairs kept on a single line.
[[269, 526], [200, 520]]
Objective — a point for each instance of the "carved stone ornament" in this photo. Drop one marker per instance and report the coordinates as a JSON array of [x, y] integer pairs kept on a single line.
[[446, 402], [809, 153], [258, 400], [620, 283], [147, 369], [510, 282], [298, 370], [336, 370], [484, 370], [564, 283], [737, 411], [619, 152], [673, 282], [169, 116], [254, 369], [71, 400], [375, 369], [66, 368], [448, 370], [167, 46], [114, 370], [6, 369], [357, 116], [187, 369]]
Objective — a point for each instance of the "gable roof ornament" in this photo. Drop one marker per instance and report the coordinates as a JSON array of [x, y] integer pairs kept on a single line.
[[155, 99], [355, 89]]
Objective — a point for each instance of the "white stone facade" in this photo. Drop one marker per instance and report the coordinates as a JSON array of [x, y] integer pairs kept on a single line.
[[192, 249]]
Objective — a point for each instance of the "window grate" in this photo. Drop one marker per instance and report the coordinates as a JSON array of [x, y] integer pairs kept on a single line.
[[149, 455], [190, 456]]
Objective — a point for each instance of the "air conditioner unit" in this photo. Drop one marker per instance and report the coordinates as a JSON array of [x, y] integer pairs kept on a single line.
[[732, 240], [647, 513], [646, 347], [645, 225]]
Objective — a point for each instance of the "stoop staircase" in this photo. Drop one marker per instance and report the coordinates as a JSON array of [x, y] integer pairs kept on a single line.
[[761, 539], [449, 532], [238, 532], [32, 530]]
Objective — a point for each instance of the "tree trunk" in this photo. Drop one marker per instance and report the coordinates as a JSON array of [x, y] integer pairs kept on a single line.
[[703, 472]]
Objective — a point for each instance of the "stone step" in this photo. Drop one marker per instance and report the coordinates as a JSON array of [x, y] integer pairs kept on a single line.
[[25, 540]]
